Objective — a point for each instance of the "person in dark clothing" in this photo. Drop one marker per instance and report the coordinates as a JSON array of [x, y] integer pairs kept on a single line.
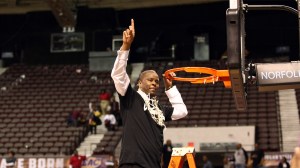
[[257, 156], [206, 163], [167, 153], [143, 117], [11, 160], [283, 163], [93, 119], [115, 110]]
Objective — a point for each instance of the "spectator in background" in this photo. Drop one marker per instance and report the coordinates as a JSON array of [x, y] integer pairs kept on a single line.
[[115, 110], [206, 162], [11, 160], [257, 157], [116, 96], [76, 160], [91, 109], [74, 118], [70, 119], [81, 119], [104, 98], [110, 121], [240, 157], [226, 163], [283, 163], [167, 153], [114, 105], [295, 162], [93, 119]]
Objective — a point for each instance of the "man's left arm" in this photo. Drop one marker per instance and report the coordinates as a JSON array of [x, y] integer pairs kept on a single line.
[[175, 99]]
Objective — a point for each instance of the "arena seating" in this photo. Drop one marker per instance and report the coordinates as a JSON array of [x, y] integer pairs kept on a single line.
[[109, 142], [34, 108]]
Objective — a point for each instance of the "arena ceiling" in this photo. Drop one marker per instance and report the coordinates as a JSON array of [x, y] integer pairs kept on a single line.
[[24, 6]]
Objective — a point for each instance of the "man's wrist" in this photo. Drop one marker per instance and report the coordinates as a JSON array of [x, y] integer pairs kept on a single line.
[[125, 47], [167, 88]]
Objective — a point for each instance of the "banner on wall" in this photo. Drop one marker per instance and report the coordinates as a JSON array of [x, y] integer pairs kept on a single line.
[[273, 159], [103, 161], [98, 162]]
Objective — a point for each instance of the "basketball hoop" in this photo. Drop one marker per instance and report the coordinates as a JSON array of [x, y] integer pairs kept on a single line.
[[215, 75]]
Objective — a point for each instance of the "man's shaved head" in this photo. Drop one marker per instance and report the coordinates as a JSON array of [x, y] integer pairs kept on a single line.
[[142, 75]]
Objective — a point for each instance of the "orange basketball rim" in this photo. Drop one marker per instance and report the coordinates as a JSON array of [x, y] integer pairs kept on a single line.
[[215, 75]]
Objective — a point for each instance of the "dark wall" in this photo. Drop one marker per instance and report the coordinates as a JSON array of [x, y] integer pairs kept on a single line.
[[29, 35], [267, 30], [178, 25]]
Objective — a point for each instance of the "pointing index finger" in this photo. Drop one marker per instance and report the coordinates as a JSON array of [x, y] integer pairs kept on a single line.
[[132, 23], [131, 27]]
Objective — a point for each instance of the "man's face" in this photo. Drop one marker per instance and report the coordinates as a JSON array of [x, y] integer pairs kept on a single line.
[[238, 146], [169, 142], [149, 82]]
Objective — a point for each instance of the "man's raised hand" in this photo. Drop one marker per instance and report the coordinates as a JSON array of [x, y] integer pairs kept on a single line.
[[167, 81], [128, 36]]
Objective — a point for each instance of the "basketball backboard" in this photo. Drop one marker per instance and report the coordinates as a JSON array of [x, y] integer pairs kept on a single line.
[[236, 52]]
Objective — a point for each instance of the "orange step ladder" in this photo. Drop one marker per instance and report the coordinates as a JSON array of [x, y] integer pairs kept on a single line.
[[179, 155]]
